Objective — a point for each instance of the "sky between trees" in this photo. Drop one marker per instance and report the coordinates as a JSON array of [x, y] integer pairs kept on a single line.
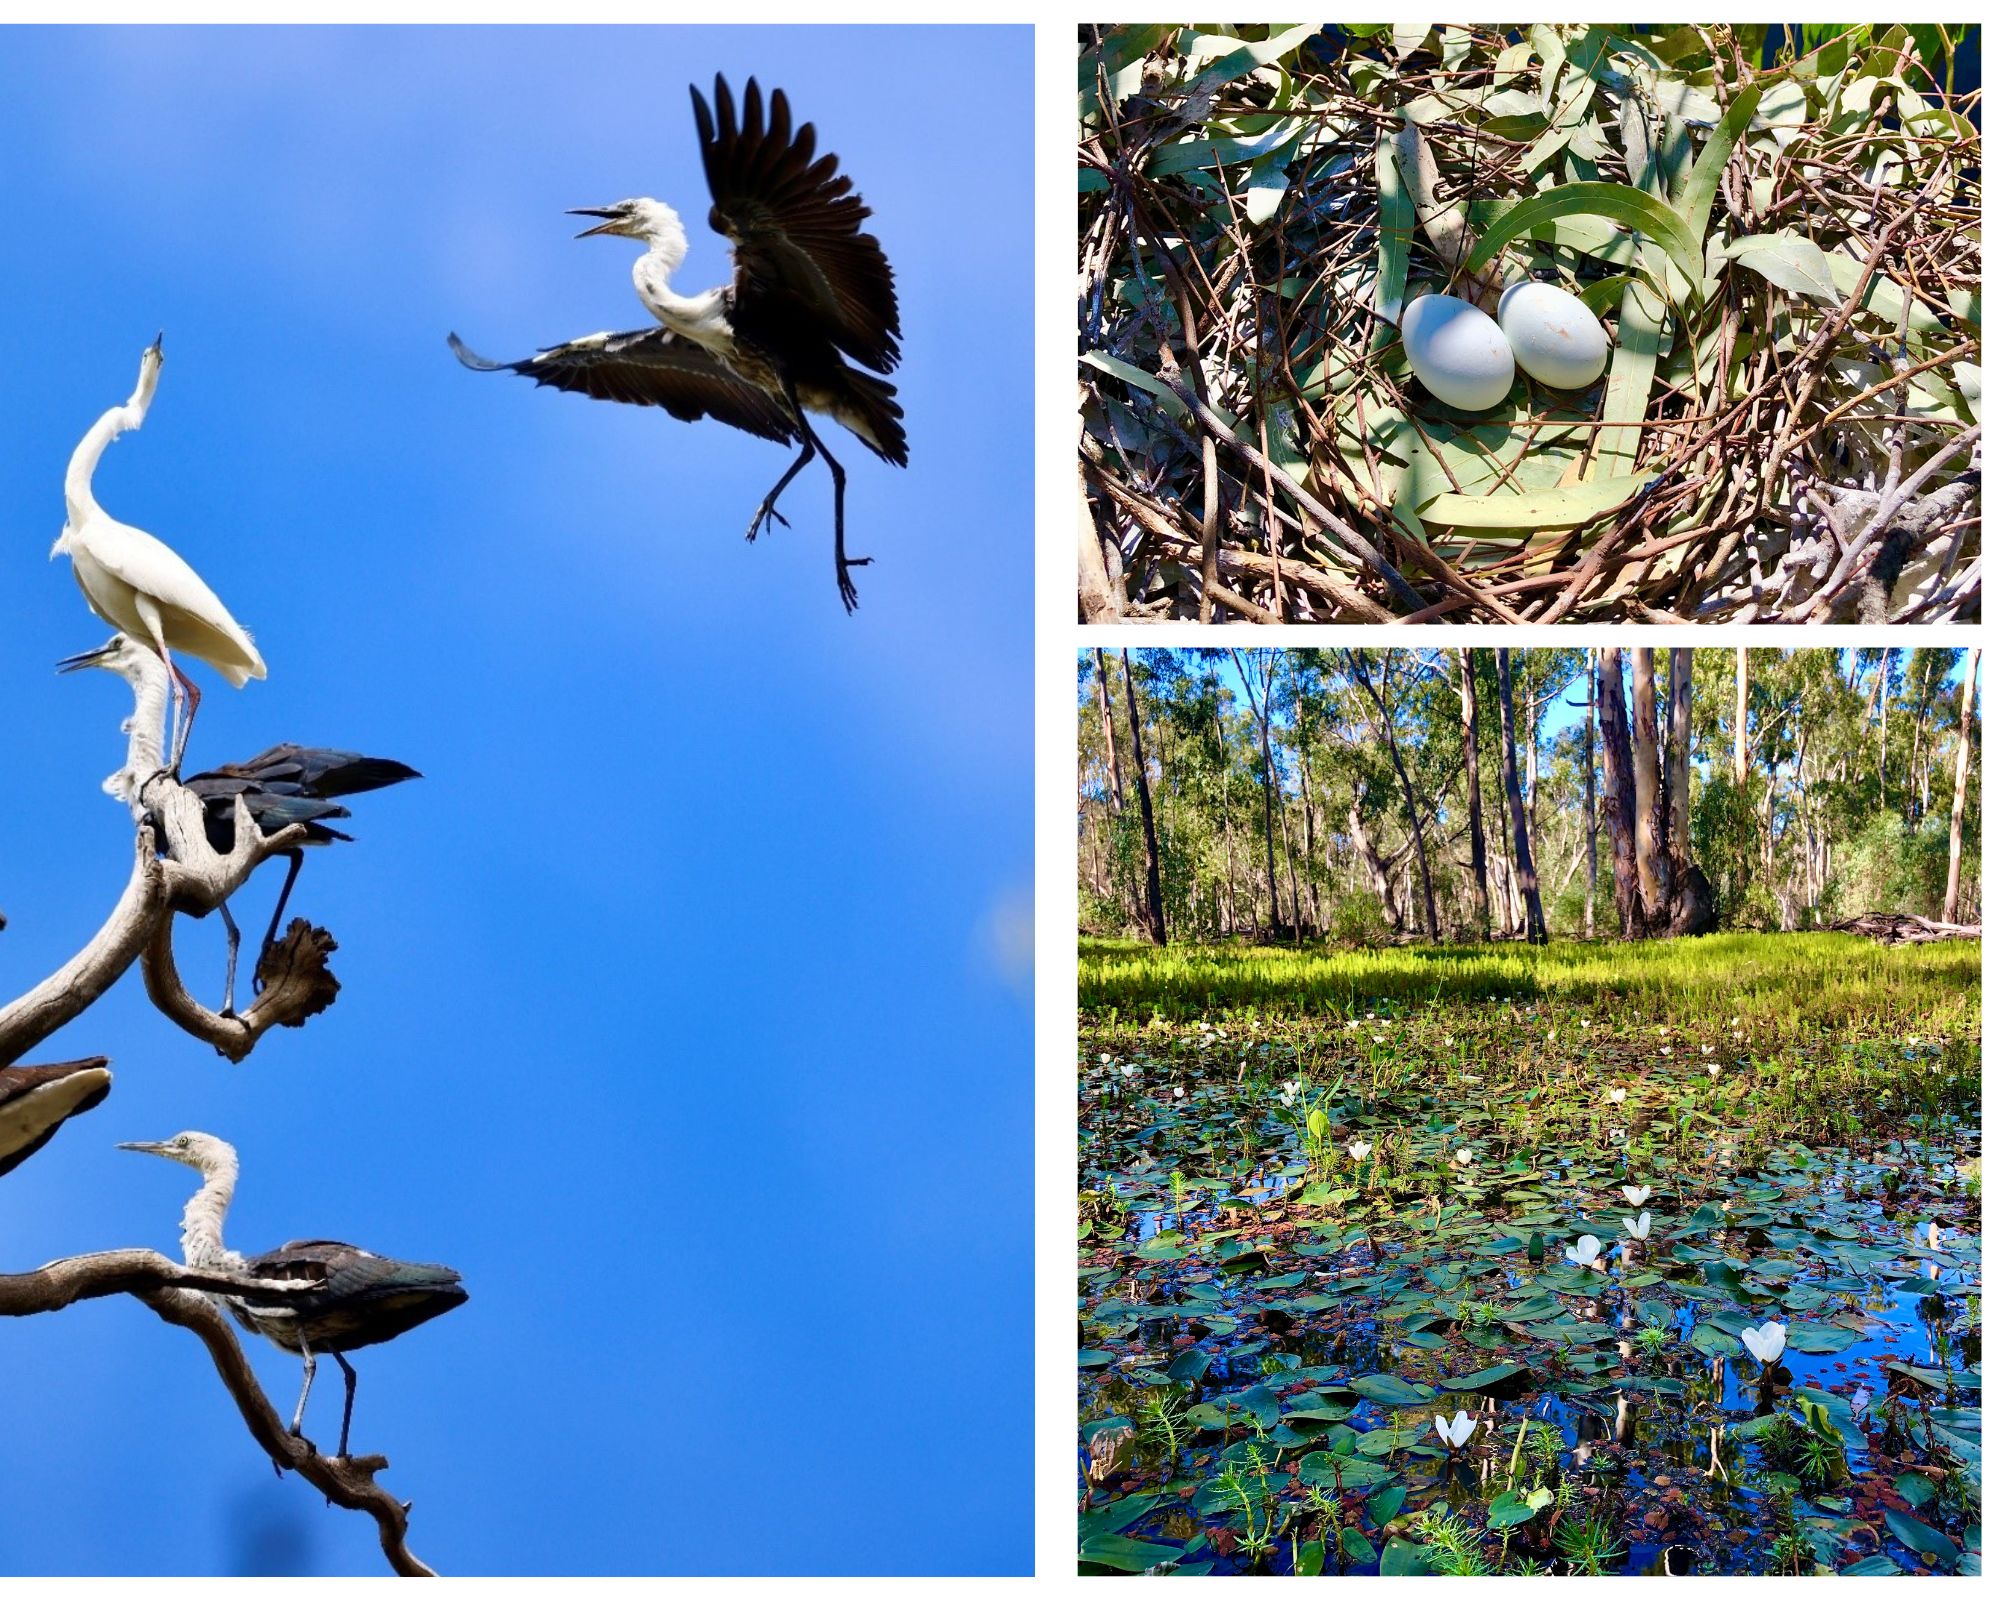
[[1330, 792]]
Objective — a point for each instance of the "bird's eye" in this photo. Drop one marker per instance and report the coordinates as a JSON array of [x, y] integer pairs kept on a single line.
[[182, 1142]]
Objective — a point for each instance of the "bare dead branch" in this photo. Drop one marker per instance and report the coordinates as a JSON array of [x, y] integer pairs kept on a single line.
[[297, 985], [179, 1295]]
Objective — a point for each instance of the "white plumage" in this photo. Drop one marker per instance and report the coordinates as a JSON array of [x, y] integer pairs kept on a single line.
[[137, 583]]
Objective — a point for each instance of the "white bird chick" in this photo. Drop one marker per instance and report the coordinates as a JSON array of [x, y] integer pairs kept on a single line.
[[704, 318], [138, 584]]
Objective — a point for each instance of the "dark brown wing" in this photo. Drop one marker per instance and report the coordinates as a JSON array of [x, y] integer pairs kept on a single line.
[[796, 226], [650, 368]]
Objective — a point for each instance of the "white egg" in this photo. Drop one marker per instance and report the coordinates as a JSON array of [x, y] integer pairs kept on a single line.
[[1555, 338], [1458, 351]]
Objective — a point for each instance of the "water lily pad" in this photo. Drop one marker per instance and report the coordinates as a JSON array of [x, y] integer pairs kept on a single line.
[[1486, 1377], [1113, 1552], [1923, 1538], [1386, 1389]]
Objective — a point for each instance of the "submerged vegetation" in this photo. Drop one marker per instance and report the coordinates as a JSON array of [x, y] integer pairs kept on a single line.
[[1572, 1260]]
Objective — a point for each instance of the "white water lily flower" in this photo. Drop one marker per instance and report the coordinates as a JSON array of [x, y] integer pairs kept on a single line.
[[1858, 1401], [1708, 1049], [1457, 1431], [1617, 1097], [1638, 1196], [1127, 1071], [1766, 1343], [1715, 1069], [1464, 1157], [1585, 1252], [1639, 1226], [1583, 1022], [1179, 1092], [1359, 1149]]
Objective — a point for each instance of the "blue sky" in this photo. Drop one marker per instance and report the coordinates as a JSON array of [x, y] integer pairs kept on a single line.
[[685, 1002]]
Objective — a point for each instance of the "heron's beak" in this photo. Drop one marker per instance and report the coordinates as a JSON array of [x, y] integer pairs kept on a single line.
[[611, 215], [144, 1147], [89, 658], [154, 349]]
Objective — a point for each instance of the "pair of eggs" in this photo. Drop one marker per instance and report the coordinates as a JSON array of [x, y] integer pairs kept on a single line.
[[1467, 359]]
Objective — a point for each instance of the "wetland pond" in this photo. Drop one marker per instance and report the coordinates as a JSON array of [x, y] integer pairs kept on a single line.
[[1465, 1288]]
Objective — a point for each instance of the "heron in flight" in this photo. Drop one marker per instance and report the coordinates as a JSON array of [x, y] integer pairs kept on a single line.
[[35, 1101], [285, 784], [769, 350], [139, 585], [356, 1299]]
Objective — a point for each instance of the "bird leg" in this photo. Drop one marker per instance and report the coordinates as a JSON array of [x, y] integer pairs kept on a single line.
[[190, 701], [299, 1416], [229, 980], [297, 859], [347, 1411], [849, 596], [767, 513]]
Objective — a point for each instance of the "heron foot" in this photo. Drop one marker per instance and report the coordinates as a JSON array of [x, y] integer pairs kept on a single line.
[[849, 595], [768, 515]]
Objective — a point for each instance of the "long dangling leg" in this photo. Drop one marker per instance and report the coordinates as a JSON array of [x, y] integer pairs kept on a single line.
[[849, 596], [297, 859], [767, 513], [229, 980], [190, 702], [299, 1416], [347, 1411]]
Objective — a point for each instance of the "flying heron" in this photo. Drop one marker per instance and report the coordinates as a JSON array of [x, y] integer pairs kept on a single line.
[[770, 349], [357, 1298], [287, 783], [35, 1101], [139, 585]]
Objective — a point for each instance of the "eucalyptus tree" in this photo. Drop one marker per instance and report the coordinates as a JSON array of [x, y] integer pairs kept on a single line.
[[1524, 858]]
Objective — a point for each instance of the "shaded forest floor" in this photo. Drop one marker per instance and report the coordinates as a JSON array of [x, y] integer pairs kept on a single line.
[[1328, 1197]]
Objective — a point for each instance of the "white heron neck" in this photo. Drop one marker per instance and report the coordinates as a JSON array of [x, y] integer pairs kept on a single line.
[[144, 731], [201, 1222], [77, 496], [700, 317]]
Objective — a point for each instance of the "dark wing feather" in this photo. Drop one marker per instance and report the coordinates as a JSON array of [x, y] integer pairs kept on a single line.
[[361, 1299], [796, 226], [650, 368], [311, 770]]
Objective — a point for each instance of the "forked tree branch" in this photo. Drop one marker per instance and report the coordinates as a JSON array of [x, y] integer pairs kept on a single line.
[[174, 871], [179, 1295]]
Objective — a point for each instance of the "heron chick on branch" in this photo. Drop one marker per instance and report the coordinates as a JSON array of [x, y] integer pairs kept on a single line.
[[286, 784], [138, 584], [355, 1298], [769, 350]]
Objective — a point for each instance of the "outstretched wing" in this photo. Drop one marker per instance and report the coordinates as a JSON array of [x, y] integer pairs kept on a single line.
[[796, 226], [650, 368]]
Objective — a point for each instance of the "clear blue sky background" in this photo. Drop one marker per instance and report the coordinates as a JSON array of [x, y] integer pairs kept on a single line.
[[685, 1001]]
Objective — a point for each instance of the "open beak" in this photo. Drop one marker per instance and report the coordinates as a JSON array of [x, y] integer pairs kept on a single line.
[[89, 658], [610, 214]]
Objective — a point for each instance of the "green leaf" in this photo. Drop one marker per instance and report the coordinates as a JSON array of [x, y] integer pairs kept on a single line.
[[1509, 1511], [1385, 1389], [1486, 1377], [1120, 1554], [1792, 263], [1923, 1538], [1401, 1559], [1568, 507], [1916, 1488], [1818, 1338], [1354, 1543], [1629, 207], [1696, 200], [1385, 1502]]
